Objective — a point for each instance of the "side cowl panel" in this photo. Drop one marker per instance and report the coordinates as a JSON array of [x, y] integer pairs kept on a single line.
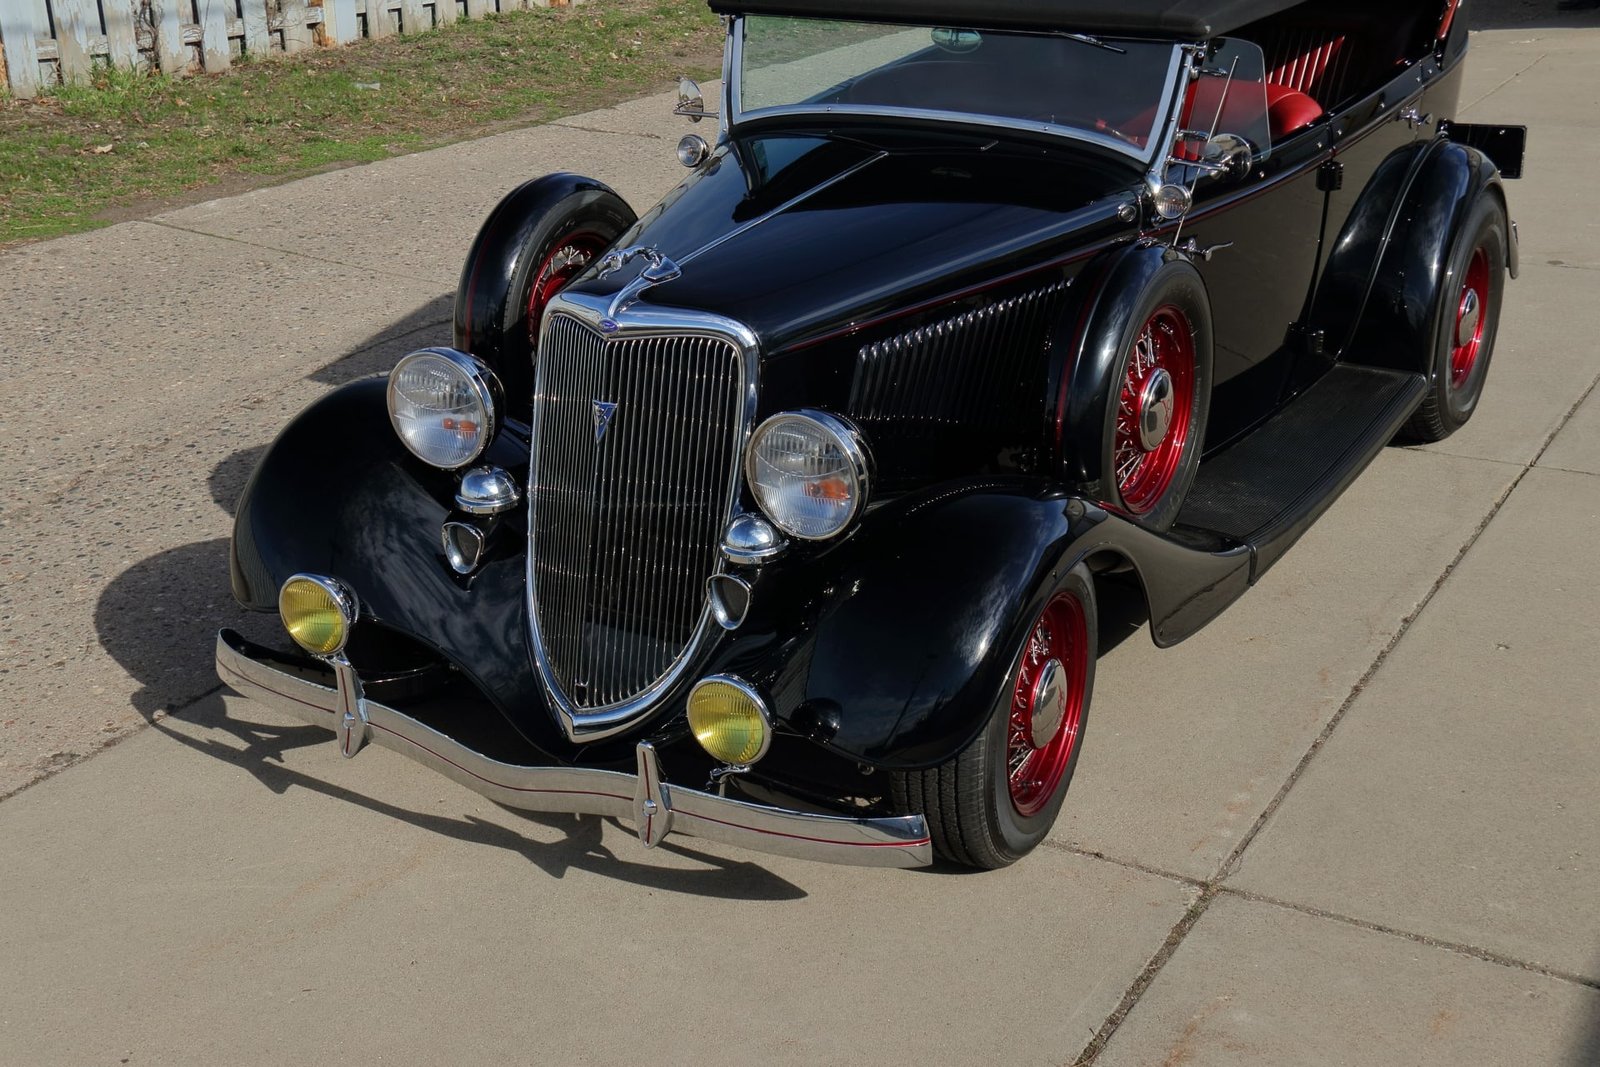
[[915, 650], [338, 494]]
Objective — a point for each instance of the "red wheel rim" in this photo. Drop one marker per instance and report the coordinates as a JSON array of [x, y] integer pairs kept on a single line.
[[1050, 682], [1154, 410], [564, 262], [1471, 311]]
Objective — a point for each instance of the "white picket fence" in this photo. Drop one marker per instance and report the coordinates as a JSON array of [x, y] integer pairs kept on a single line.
[[47, 42]]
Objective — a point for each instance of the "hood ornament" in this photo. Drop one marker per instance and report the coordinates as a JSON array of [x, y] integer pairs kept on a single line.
[[658, 269], [603, 411]]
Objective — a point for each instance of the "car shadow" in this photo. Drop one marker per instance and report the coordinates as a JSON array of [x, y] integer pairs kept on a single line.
[[179, 693]]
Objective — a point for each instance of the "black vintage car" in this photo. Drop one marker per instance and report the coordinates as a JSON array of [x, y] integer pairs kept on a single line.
[[780, 514]]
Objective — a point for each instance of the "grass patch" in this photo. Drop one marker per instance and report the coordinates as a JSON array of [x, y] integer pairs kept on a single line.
[[72, 156]]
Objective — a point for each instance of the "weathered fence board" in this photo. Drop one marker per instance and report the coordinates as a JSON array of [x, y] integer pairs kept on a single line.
[[257, 38], [171, 54], [296, 30], [18, 38], [121, 18], [413, 18], [43, 42], [213, 34], [339, 22], [77, 24]]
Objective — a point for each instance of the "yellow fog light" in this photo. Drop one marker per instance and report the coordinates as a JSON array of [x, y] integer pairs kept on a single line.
[[729, 720], [318, 613]]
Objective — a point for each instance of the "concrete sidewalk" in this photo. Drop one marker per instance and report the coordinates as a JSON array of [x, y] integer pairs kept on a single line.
[[1354, 821]]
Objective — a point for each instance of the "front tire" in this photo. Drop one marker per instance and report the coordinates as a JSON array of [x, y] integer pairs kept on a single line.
[[1466, 319], [996, 800]]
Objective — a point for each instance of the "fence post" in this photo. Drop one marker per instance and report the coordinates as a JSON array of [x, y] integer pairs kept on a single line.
[[444, 12], [171, 53], [21, 49], [339, 22]]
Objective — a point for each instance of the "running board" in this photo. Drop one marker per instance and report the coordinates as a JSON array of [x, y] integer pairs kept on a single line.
[[1267, 490]]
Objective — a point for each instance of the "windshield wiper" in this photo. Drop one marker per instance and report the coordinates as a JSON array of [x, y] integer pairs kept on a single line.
[[1084, 38]]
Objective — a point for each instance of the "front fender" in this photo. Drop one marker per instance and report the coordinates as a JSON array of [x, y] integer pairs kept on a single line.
[[338, 494], [916, 648]]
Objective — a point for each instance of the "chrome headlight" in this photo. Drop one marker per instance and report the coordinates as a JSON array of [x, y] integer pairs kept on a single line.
[[441, 403], [808, 471]]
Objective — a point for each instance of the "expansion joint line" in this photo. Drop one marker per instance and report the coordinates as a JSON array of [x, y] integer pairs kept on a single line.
[[1212, 887]]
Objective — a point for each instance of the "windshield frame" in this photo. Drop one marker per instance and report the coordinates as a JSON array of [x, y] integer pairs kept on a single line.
[[1154, 150]]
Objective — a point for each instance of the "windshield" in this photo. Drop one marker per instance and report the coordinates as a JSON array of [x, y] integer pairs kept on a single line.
[[1108, 91]]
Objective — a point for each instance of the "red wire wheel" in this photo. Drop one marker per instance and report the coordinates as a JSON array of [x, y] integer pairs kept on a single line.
[[564, 262], [1047, 704], [1471, 316], [1154, 410]]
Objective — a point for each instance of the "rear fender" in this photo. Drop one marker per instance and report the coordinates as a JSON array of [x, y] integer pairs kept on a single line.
[[1389, 261]]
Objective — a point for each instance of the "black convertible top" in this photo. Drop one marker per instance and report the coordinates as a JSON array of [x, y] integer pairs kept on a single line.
[[1187, 19]]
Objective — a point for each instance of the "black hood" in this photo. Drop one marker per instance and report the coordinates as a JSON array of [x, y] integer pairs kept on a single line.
[[797, 235]]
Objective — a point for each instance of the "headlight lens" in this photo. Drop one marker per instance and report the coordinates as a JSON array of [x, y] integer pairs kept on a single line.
[[441, 403], [318, 613], [808, 471], [729, 720]]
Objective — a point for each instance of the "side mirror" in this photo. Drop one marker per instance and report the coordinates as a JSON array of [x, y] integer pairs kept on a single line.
[[692, 102], [1227, 156]]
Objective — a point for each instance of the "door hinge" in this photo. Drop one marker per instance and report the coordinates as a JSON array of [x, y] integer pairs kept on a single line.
[[1330, 176]]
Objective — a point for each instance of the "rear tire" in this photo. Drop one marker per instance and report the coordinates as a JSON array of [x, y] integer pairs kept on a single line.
[[1465, 322], [996, 800]]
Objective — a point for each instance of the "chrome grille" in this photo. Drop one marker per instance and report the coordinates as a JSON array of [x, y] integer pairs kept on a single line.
[[625, 524]]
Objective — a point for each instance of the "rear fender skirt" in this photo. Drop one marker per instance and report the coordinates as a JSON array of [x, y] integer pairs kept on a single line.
[[914, 649], [338, 494], [1388, 261]]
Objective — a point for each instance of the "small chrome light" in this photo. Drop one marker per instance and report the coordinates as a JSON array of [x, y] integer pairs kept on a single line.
[[442, 404], [730, 720], [1172, 201], [318, 612], [751, 539], [487, 491], [693, 150], [808, 471]]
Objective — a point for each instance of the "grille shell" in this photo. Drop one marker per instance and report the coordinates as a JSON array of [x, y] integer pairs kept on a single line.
[[624, 531]]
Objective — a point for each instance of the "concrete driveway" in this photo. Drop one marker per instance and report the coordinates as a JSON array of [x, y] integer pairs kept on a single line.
[[1356, 821]]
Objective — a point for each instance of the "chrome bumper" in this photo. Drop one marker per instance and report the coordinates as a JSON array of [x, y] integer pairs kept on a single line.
[[655, 807]]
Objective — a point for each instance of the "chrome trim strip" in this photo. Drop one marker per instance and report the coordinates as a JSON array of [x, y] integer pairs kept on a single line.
[[654, 806], [639, 322]]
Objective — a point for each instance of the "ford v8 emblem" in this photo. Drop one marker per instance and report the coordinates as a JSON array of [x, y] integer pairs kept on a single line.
[[608, 325], [603, 410]]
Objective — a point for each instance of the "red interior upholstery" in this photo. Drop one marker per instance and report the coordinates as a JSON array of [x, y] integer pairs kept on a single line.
[[1288, 109]]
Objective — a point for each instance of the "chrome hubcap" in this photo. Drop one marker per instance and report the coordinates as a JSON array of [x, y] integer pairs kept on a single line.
[[1467, 323], [1156, 404], [1049, 703]]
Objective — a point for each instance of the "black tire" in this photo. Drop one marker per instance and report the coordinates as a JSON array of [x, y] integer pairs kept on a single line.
[[497, 312], [1477, 265], [976, 815]]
